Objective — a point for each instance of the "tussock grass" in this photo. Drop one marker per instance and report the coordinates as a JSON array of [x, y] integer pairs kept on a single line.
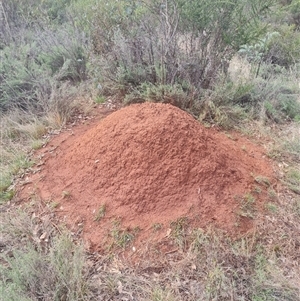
[[23, 131], [39, 260]]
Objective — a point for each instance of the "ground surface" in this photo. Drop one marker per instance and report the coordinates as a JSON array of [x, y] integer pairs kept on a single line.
[[145, 166]]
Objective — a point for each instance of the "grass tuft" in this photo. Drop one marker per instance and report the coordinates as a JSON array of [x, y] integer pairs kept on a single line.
[[43, 264], [100, 213]]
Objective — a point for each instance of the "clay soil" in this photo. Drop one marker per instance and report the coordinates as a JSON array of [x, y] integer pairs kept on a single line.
[[145, 166]]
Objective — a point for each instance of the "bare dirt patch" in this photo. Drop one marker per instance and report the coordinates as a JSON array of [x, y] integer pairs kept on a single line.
[[145, 166]]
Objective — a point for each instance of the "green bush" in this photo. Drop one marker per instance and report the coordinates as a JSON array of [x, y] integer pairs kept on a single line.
[[276, 93], [284, 49], [272, 95], [31, 274], [32, 69], [167, 42]]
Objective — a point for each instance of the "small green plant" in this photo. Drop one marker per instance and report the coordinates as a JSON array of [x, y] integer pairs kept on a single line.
[[31, 273], [100, 213], [262, 180], [256, 190], [161, 294], [178, 230], [199, 240], [5, 182], [121, 238], [293, 180], [6, 196], [272, 193], [100, 99], [255, 53], [37, 144], [173, 94], [247, 206], [297, 206], [65, 194], [157, 226], [21, 162], [272, 207], [53, 204]]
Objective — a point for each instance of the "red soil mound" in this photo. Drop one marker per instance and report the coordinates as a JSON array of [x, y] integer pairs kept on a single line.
[[150, 164]]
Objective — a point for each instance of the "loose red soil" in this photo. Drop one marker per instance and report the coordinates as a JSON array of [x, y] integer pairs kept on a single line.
[[149, 164]]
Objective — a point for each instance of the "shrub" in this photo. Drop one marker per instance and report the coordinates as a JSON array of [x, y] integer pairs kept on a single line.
[[32, 69], [57, 275], [168, 42], [284, 49], [272, 95]]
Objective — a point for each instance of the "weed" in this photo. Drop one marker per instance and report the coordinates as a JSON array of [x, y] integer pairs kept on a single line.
[[178, 231], [121, 238], [22, 162], [100, 99], [35, 270], [65, 194], [262, 180], [5, 182], [272, 207], [173, 94], [293, 176], [247, 206], [53, 204], [297, 207], [214, 284], [37, 144], [199, 240], [6, 196], [293, 180], [257, 190], [100, 213], [157, 226], [160, 294], [272, 193]]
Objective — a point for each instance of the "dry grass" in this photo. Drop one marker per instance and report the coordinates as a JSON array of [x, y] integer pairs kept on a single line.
[[21, 132], [211, 266], [40, 260]]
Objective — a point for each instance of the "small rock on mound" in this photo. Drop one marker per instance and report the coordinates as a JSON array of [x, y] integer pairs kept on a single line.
[[153, 163]]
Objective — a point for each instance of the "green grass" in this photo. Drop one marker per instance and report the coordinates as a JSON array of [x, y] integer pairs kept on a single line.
[[297, 207], [58, 275], [18, 164], [293, 180], [247, 206], [37, 144], [157, 226], [37, 268], [100, 213], [271, 207], [5, 181], [100, 99], [6, 196], [178, 231], [161, 294], [121, 238], [262, 180]]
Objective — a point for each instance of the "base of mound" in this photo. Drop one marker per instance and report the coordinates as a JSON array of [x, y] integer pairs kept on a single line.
[[147, 174]]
